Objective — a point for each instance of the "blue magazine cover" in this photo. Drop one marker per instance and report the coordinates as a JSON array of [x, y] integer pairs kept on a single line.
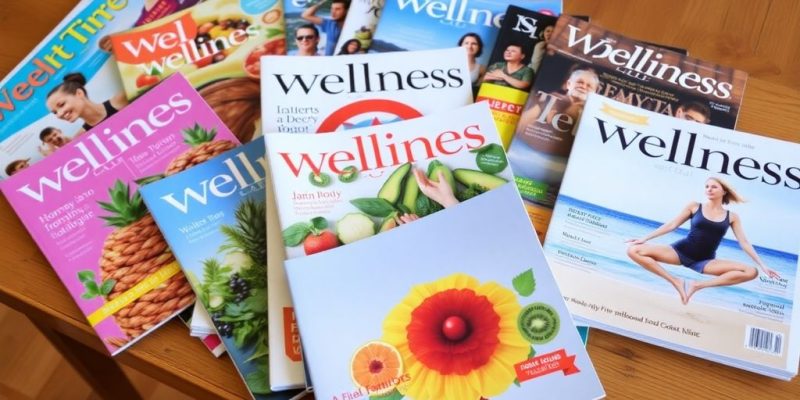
[[214, 219], [432, 24]]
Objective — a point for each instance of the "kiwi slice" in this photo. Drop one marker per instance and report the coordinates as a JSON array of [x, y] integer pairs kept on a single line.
[[322, 179], [348, 174], [538, 323]]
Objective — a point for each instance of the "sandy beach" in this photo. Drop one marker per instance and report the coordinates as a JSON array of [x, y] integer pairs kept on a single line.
[[636, 310]]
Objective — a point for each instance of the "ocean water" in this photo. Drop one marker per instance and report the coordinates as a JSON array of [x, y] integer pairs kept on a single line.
[[608, 249]]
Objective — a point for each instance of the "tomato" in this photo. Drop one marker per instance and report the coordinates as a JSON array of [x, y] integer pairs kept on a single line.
[[203, 61], [146, 80], [316, 243]]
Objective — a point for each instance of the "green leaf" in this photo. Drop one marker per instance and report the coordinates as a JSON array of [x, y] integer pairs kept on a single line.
[[262, 350], [88, 296], [256, 302], [491, 159], [107, 286], [532, 353], [91, 287], [86, 276], [516, 382], [257, 380], [272, 32], [375, 207], [524, 283], [393, 395], [295, 234], [319, 223]]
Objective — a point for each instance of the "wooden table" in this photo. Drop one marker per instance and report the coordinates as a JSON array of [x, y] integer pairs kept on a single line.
[[759, 36]]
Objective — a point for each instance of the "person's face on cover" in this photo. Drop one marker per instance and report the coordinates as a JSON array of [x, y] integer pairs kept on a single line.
[[472, 46], [548, 32], [513, 54], [307, 40], [19, 166], [714, 190], [581, 84], [55, 138], [67, 107], [353, 46], [338, 11], [691, 115]]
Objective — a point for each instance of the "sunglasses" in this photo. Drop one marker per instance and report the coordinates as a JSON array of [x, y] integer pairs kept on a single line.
[[305, 37]]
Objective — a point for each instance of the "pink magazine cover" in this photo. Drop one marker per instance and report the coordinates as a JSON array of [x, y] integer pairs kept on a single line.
[[82, 207]]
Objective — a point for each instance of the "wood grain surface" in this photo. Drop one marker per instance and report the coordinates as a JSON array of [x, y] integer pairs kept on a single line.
[[761, 37]]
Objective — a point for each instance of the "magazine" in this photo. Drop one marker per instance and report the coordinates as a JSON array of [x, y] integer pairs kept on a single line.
[[436, 24], [76, 51], [414, 308], [517, 54], [584, 58], [359, 26], [652, 238], [330, 94], [314, 26], [381, 88], [214, 219], [210, 341], [82, 207], [217, 45]]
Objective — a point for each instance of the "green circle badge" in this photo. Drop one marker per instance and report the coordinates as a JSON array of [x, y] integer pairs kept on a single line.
[[538, 323]]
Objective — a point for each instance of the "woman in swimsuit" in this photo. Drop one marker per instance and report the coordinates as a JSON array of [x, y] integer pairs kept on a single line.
[[709, 222], [69, 101]]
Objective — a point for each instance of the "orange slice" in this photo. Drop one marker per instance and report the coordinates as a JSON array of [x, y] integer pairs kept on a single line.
[[377, 367]]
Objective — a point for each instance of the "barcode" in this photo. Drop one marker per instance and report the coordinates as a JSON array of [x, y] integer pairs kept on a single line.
[[764, 340]]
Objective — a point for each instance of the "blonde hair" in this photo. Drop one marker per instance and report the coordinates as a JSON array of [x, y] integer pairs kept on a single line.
[[730, 195]]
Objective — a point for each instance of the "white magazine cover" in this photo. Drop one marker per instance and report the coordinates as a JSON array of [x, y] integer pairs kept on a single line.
[[308, 95], [680, 234], [380, 225]]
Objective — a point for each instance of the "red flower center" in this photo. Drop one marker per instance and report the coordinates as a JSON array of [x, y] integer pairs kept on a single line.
[[375, 367], [454, 331]]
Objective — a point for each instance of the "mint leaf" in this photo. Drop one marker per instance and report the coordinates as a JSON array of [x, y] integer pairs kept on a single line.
[[107, 286], [524, 283], [86, 276], [257, 380], [88, 296], [92, 288]]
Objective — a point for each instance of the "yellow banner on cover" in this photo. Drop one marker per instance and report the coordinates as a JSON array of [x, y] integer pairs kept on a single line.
[[138, 290], [624, 115]]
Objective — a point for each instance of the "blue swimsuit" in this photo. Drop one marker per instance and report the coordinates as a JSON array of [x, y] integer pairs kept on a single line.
[[700, 245]]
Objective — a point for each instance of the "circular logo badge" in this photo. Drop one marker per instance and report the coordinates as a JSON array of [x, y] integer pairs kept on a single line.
[[538, 323], [367, 113]]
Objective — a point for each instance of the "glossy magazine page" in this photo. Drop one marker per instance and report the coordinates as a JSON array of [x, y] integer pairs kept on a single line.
[[678, 233]]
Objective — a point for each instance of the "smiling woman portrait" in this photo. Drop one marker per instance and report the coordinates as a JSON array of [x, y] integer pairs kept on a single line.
[[70, 101], [698, 250]]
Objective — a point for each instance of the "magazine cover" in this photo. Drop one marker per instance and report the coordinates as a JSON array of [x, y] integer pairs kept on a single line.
[[359, 26], [586, 58], [314, 26], [331, 94], [217, 45], [472, 24], [83, 208], [214, 219], [678, 234], [416, 312], [512, 66], [68, 84]]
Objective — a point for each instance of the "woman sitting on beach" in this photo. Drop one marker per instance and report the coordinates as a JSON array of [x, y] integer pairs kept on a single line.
[[709, 222]]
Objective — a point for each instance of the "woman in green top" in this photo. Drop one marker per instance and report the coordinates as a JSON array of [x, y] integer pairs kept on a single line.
[[513, 72]]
